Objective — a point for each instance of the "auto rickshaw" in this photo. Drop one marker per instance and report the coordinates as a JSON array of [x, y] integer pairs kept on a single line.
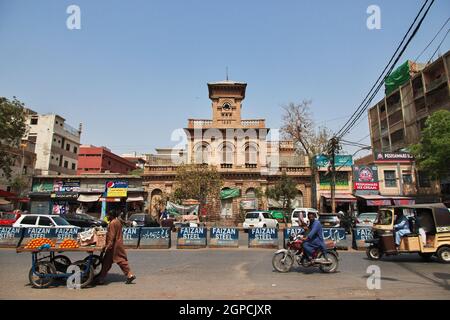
[[430, 232]]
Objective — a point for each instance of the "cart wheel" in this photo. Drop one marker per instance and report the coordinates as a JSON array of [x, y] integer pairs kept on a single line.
[[44, 267], [96, 263], [61, 263], [88, 272]]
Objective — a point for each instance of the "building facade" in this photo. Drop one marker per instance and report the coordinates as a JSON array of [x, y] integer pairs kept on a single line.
[[243, 152], [397, 120], [56, 142], [95, 160]]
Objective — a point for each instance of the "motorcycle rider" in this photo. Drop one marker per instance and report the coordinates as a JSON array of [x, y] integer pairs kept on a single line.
[[314, 239]]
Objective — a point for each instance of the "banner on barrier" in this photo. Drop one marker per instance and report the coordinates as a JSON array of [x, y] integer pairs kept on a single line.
[[360, 235], [131, 237], [263, 238], [191, 238], [10, 237], [335, 234], [154, 238], [224, 237], [291, 231]]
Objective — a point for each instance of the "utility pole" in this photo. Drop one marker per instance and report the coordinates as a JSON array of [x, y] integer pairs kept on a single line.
[[333, 148]]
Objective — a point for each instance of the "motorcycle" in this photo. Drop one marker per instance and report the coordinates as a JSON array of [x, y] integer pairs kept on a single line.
[[284, 259]]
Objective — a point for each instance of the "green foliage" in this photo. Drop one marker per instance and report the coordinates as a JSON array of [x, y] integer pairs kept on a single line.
[[12, 129], [19, 184], [432, 153], [137, 172], [198, 182], [284, 190]]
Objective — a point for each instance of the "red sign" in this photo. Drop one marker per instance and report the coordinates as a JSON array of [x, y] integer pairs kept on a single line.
[[365, 186]]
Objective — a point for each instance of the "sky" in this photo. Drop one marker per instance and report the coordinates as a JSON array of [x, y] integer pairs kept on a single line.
[[137, 70]]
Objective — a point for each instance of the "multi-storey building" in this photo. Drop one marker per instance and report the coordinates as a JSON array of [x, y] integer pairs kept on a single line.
[[94, 160], [56, 142], [397, 120], [243, 151]]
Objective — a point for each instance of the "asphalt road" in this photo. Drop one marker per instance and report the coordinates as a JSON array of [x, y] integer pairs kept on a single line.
[[237, 274]]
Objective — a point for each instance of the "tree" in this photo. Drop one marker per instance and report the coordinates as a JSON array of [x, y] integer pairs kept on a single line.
[[199, 182], [299, 126], [284, 190], [12, 129], [432, 153]]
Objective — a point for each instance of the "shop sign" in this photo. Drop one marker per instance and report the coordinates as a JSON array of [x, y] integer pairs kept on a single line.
[[224, 237], [66, 185], [263, 238], [61, 195], [393, 157], [42, 186], [339, 161]]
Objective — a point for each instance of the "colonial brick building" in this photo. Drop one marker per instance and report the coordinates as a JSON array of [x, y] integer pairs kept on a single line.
[[245, 152]]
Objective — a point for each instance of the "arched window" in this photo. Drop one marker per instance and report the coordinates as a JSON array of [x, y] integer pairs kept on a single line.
[[251, 155], [250, 193], [227, 154], [202, 155]]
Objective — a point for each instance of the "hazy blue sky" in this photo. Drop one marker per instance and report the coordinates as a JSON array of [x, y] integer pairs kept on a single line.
[[137, 70]]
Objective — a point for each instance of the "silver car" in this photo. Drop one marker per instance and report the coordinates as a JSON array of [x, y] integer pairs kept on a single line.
[[366, 219]]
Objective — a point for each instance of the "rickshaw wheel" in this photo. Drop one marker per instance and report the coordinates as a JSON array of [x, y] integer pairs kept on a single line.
[[373, 253], [443, 254], [44, 267]]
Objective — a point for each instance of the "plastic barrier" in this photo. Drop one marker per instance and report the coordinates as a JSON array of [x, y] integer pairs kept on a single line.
[[224, 238], [191, 238], [155, 238], [10, 237], [131, 237], [335, 234], [360, 235], [263, 238]]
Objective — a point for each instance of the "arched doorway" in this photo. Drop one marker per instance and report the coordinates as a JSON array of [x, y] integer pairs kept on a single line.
[[155, 202], [298, 200], [226, 206]]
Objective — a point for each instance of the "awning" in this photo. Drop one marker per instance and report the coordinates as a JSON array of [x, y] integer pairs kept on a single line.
[[230, 193], [4, 202], [375, 200], [339, 197], [133, 199], [88, 197], [6, 194], [403, 201]]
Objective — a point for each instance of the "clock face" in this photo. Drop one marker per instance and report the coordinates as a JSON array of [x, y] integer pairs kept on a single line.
[[226, 106]]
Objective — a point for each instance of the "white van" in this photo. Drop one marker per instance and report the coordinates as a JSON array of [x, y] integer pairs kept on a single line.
[[302, 214]]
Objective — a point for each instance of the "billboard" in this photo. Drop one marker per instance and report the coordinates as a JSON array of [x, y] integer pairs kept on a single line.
[[365, 179], [339, 161], [393, 157], [116, 188]]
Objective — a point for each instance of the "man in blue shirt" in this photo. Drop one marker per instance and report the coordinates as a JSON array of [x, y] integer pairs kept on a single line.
[[314, 240], [401, 227]]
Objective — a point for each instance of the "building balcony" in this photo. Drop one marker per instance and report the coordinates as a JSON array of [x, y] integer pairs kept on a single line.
[[436, 83], [226, 165], [207, 123], [251, 165]]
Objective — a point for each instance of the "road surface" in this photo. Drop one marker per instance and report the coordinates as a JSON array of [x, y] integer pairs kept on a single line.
[[238, 274]]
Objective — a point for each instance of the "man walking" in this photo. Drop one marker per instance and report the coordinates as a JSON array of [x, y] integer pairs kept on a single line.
[[114, 250]]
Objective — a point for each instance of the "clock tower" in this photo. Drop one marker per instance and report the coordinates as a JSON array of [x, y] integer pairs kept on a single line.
[[226, 97]]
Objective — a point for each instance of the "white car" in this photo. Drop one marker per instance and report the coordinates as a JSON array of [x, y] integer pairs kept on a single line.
[[259, 219], [42, 220], [302, 214]]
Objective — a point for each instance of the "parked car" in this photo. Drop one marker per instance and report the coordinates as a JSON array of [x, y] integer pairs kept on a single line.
[[301, 214], [366, 219], [84, 220], [330, 220], [7, 219], [42, 220], [259, 219], [143, 220]]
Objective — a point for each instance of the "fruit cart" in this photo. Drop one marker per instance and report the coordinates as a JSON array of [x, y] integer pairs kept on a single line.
[[48, 264]]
